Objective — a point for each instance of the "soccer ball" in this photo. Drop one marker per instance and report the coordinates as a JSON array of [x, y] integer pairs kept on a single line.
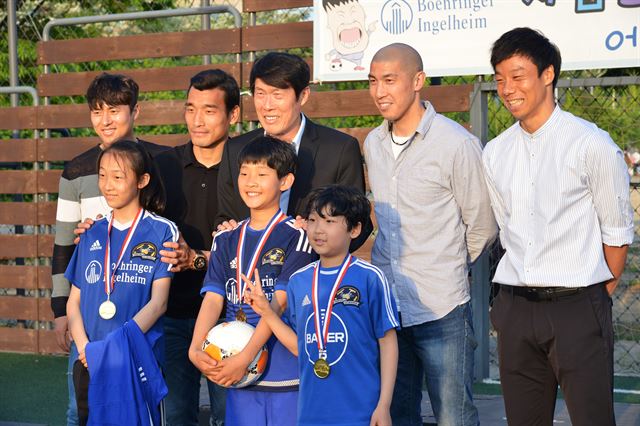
[[229, 338]]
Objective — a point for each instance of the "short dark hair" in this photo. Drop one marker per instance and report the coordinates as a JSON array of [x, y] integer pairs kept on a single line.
[[326, 4], [339, 200], [531, 44], [281, 70], [152, 196], [278, 154], [112, 90], [218, 79]]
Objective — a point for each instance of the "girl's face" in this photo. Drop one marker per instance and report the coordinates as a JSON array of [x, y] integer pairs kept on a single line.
[[118, 182]]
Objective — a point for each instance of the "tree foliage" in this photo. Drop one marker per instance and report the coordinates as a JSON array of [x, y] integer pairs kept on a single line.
[[614, 109]]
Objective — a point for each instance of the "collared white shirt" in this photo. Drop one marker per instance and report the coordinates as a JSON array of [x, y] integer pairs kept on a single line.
[[284, 197], [558, 194]]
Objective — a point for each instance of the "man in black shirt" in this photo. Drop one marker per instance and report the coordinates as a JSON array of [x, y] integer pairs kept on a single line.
[[190, 174]]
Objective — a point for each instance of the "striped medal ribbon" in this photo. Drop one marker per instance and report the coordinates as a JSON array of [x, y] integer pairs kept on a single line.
[[321, 367], [107, 309], [240, 286]]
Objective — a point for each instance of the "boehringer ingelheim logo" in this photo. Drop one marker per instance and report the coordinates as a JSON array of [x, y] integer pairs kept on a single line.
[[93, 273], [396, 16]]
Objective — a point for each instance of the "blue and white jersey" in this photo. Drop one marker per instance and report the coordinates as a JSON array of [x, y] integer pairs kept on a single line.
[[139, 268], [363, 310], [286, 250]]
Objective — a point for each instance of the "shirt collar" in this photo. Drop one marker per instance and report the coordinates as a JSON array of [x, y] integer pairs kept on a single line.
[[423, 126], [298, 137], [189, 158], [549, 123]]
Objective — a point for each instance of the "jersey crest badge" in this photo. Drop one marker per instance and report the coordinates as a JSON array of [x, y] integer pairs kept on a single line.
[[146, 251], [348, 296], [274, 257]]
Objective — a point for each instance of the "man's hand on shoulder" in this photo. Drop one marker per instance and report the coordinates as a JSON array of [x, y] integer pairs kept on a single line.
[[179, 255], [227, 225], [83, 227], [300, 223]]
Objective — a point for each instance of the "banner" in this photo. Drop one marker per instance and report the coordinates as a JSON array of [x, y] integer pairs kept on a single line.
[[454, 37]]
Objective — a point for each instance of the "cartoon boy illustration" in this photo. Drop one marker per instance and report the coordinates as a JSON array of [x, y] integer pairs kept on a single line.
[[346, 21]]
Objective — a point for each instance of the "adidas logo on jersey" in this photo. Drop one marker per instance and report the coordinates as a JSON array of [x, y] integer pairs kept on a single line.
[[234, 263], [95, 246], [306, 300]]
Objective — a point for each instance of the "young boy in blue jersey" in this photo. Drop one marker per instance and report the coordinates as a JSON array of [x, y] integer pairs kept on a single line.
[[119, 294], [267, 242], [342, 319]]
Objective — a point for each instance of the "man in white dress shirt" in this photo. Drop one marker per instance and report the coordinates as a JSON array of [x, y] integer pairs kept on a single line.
[[560, 193]]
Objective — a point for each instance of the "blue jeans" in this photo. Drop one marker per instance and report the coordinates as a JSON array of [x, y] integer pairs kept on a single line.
[[183, 378], [72, 408], [441, 350]]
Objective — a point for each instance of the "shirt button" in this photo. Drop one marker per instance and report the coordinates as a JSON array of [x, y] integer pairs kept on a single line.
[[530, 213], [204, 185], [530, 243]]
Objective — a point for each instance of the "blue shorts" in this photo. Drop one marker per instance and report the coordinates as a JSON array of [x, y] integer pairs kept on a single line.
[[259, 408]]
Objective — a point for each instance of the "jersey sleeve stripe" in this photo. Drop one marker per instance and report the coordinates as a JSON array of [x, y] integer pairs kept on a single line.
[[304, 268], [386, 290], [172, 226]]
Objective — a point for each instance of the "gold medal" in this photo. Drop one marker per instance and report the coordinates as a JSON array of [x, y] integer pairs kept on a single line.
[[107, 310], [241, 316], [321, 368]]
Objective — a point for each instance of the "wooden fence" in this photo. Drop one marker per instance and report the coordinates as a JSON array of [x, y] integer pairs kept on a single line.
[[32, 280]]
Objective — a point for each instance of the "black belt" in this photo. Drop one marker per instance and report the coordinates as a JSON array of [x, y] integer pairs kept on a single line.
[[541, 294]]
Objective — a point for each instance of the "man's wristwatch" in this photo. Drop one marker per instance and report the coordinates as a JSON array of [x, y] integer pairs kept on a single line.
[[199, 261]]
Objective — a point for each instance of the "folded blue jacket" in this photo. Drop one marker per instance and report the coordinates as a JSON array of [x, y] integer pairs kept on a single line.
[[125, 381]]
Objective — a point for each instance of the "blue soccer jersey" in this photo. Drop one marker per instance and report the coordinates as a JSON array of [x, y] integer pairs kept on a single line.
[[285, 251], [363, 310], [139, 268]]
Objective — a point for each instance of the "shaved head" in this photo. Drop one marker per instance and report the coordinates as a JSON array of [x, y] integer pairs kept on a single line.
[[406, 55]]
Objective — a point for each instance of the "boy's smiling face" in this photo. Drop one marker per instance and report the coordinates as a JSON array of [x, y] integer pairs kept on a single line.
[[330, 237], [260, 186]]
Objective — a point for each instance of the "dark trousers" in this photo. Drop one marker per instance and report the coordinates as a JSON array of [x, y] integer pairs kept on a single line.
[[566, 341], [81, 385]]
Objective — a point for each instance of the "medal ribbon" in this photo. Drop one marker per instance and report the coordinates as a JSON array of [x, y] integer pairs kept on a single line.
[[109, 277], [240, 286], [322, 330]]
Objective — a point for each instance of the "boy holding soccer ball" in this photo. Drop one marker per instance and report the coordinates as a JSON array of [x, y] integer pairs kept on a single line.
[[342, 319], [269, 243]]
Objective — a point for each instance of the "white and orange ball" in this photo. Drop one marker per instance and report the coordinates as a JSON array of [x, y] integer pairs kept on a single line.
[[229, 338]]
